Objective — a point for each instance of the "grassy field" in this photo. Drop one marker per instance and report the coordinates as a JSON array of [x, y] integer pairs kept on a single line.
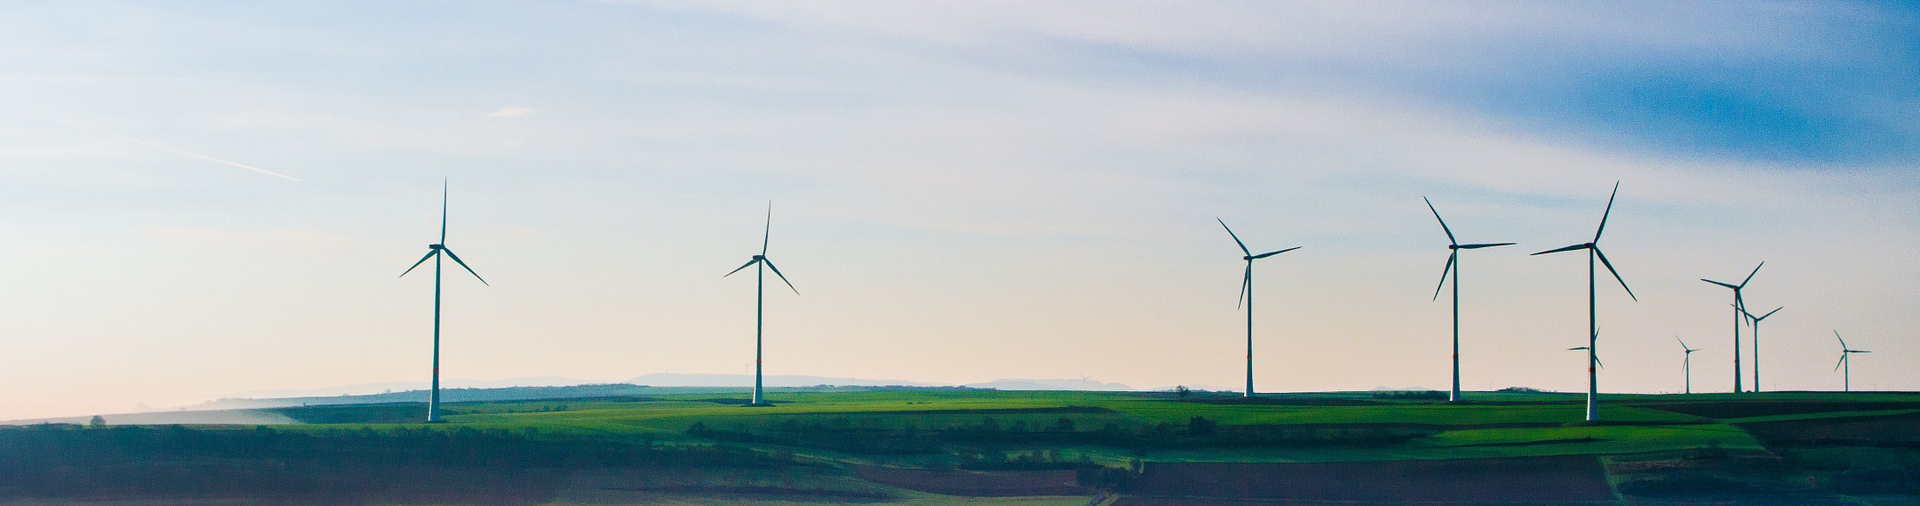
[[937, 446]]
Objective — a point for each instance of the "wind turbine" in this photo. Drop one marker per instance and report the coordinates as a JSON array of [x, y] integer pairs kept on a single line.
[[1453, 258], [1739, 307], [1755, 322], [1246, 293], [1687, 363], [760, 297], [1593, 306], [434, 252], [1846, 378]]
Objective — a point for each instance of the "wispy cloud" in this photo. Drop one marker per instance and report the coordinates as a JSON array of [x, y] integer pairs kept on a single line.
[[188, 153], [512, 111]]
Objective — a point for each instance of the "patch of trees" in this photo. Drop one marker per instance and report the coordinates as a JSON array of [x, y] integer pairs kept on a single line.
[[1412, 395]]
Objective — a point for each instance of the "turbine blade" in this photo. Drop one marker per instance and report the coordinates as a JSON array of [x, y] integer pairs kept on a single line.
[[1616, 274], [463, 265], [1683, 343], [1272, 253], [1843, 341], [1859, 351], [1718, 283], [783, 277], [742, 266], [443, 210], [1609, 211], [1484, 245], [1443, 274], [1568, 248], [1843, 361], [1236, 237], [1769, 313], [1443, 222], [423, 260], [767, 235], [1756, 270], [1246, 285]]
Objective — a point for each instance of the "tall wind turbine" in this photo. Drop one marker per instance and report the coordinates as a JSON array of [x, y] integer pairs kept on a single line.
[[1755, 322], [1846, 378], [1246, 293], [1739, 307], [760, 298], [1686, 364], [1593, 305], [1453, 258], [434, 252]]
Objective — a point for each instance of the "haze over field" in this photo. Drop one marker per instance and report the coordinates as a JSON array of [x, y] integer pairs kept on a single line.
[[962, 190]]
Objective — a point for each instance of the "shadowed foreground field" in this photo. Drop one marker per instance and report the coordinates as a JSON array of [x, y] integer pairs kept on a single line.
[[938, 446]]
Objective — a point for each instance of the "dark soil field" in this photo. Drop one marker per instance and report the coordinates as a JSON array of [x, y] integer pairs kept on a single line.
[[977, 483], [1886, 430], [1564, 479]]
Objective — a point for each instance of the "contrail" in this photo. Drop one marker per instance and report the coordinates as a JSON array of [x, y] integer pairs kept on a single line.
[[195, 155]]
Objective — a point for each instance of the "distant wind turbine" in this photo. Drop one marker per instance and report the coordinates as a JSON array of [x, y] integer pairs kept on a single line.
[[1686, 364], [1453, 258], [1846, 378], [433, 252], [1593, 306], [1246, 293], [1754, 321], [1739, 307], [760, 301]]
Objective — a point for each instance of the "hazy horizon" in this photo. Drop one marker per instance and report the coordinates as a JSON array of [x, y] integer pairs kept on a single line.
[[209, 198]]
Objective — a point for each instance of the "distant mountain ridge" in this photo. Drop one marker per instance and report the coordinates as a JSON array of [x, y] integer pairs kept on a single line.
[[792, 380], [517, 389]]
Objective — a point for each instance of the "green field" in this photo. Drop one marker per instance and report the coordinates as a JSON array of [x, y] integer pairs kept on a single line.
[[878, 445]]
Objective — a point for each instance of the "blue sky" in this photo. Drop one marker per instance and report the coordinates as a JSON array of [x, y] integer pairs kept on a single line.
[[963, 190]]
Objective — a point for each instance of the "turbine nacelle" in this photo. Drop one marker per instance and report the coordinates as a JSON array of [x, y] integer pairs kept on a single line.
[[436, 246]]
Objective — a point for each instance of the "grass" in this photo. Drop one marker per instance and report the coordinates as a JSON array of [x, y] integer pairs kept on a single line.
[[1493, 425], [817, 439]]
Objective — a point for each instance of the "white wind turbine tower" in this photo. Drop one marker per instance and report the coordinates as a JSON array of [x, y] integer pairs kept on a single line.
[[1453, 259], [1593, 306], [760, 304], [1754, 321], [1686, 363], [1846, 377], [1246, 293], [1739, 308], [434, 251]]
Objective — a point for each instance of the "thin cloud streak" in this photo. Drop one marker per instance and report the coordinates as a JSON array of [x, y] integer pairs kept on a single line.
[[188, 153]]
